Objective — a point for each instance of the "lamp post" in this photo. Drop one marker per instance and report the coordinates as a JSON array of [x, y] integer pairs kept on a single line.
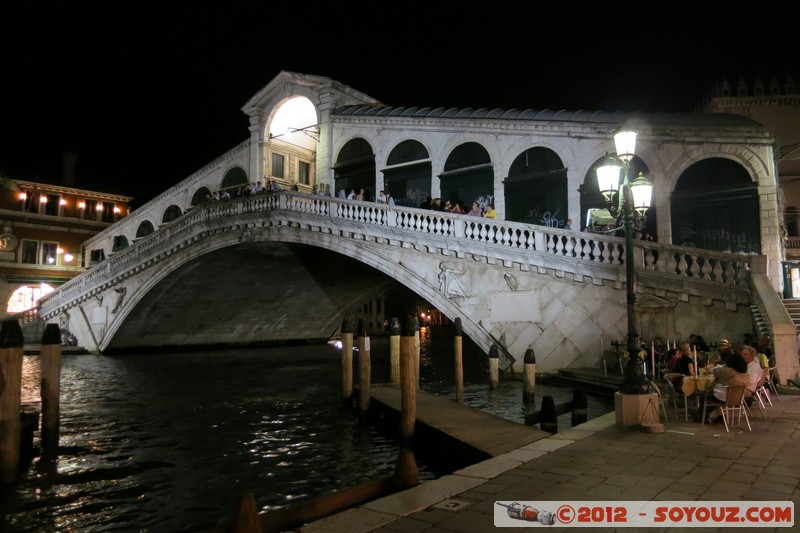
[[633, 202]]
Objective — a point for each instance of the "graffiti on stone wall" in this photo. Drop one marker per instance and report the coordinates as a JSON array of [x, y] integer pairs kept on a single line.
[[545, 218]]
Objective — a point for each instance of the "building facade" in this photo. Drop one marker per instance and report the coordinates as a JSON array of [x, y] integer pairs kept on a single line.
[[42, 230]]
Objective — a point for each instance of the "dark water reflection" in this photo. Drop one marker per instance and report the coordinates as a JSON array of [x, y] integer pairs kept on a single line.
[[169, 442]]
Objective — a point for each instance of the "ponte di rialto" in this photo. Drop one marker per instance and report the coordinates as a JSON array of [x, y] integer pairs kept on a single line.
[[291, 263]]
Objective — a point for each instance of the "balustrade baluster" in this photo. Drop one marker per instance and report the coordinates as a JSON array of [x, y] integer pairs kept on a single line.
[[730, 274], [571, 244], [558, 243], [718, 271], [694, 267], [705, 270], [683, 266]]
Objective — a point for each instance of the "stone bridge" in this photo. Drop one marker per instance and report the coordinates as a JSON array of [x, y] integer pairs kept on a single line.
[[286, 266]]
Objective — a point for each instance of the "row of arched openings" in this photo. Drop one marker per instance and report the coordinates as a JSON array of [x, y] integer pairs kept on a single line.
[[714, 204]]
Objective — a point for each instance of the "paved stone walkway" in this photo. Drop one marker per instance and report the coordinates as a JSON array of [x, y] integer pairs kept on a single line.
[[599, 461]]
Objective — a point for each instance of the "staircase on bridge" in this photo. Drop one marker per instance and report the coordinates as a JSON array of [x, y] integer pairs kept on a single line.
[[792, 306]]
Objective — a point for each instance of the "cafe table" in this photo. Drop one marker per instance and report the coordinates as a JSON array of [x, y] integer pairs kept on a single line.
[[694, 388]]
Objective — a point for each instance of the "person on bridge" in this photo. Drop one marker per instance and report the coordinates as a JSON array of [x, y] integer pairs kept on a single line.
[[490, 212], [476, 210]]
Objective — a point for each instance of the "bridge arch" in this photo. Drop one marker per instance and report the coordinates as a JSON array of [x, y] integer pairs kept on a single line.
[[183, 268]]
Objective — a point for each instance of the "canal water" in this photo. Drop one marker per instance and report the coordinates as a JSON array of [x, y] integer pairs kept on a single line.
[[169, 442]]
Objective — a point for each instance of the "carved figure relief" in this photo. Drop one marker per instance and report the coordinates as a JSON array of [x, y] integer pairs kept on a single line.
[[511, 281], [120, 297], [449, 280]]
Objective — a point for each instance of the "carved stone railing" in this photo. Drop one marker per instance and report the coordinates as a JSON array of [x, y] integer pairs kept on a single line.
[[686, 270]]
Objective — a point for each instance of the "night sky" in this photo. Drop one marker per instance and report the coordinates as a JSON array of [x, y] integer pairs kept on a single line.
[[146, 97]]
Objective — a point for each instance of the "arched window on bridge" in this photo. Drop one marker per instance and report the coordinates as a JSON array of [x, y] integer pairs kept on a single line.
[[591, 198], [536, 189], [144, 229], [408, 174], [468, 175], [173, 212], [234, 178], [120, 243], [355, 168], [201, 196], [715, 206]]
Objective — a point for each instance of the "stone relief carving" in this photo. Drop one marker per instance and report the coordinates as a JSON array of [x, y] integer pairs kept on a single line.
[[511, 281], [120, 297], [449, 282]]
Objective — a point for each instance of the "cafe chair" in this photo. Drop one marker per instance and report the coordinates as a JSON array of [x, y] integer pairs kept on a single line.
[[734, 407], [757, 396], [762, 390], [771, 384], [672, 393]]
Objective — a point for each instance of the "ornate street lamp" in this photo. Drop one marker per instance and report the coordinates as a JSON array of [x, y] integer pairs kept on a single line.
[[633, 203]]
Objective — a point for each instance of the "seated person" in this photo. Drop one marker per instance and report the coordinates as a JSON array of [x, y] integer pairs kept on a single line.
[[685, 362], [717, 358], [733, 373], [754, 371], [673, 355]]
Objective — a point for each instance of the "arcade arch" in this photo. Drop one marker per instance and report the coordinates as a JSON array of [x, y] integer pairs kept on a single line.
[[468, 175], [715, 206], [144, 229], [591, 198], [290, 146], [234, 178], [408, 174], [172, 212], [355, 167], [536, 189], [27, 297], [201, 196]]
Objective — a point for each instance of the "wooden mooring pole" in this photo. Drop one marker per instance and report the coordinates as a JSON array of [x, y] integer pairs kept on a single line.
[[11, 350], [415, 325], [459, 361], [364, 370], [579, 406], [394, 351], [549, 419], [406, 473], [529, 377], [494, 367], [347, 361], [50, 367]]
